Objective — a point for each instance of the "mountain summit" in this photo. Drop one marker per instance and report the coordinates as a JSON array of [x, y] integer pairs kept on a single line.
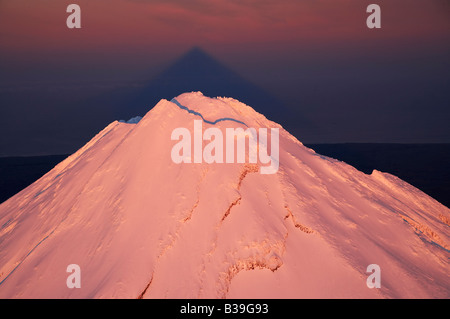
[[140, 225], [196, 70]]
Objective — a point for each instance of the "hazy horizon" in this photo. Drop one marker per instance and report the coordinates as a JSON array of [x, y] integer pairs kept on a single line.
[[345, 82]]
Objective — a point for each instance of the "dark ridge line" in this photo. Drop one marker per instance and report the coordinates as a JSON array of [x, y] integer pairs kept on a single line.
[[204, 120], [141, 295]]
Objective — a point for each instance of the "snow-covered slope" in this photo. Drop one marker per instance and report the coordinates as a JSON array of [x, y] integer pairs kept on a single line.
[[140, 225]]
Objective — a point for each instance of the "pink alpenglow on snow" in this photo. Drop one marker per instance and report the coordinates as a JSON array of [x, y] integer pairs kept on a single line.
[[139, 225]]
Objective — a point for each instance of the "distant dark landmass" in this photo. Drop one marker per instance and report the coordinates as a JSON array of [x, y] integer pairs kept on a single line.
[[426, 166], [17, 173]]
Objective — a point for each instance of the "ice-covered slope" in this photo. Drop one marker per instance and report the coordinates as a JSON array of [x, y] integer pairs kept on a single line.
[[139, 225]]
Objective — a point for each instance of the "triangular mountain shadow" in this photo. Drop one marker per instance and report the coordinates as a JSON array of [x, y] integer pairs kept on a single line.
[[198, 71]]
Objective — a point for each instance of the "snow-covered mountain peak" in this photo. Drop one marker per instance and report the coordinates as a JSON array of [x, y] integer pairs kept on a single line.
[[140, 224], [213, 109]]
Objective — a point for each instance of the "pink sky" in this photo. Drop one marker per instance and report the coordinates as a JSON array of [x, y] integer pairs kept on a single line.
[[155, 26], [311, 53]]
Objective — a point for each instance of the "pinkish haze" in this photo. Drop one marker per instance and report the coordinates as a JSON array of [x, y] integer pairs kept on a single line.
[[353, 84], [152, 26]]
